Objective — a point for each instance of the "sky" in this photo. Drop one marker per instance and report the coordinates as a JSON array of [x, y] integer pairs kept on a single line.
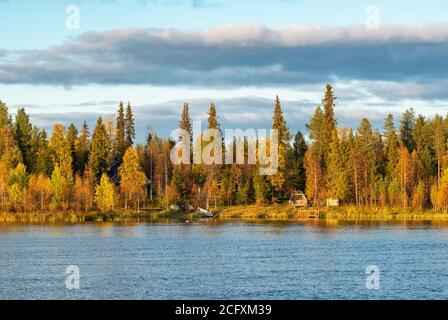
[[66, 61]]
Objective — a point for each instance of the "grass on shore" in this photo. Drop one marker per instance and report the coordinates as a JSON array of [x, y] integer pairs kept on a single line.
[[347, 213], [278, 212]]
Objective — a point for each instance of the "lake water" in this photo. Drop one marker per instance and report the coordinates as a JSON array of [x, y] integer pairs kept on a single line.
[[233, 260]]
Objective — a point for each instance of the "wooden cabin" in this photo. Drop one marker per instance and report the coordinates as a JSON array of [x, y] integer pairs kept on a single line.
[[299, 200], [333, 203]]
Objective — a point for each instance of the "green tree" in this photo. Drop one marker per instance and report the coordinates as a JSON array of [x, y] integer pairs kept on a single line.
[[185, 122], [82, 148], [60, 151], [262, 189], [406, 129], [337, 174], [389, 127], [59, 189], [19, 176], [246, 191], [367, 161], [178, 183], [279, 124], [296, 163], [72, 140], [43, 157], [22, 131], [120, 144], [423, 137], [99, 153], [328, 122], [391, 149], [129, 127], [439, 143]]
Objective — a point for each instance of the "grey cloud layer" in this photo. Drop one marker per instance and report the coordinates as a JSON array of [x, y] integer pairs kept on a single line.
[[244, 113], [238, 55]]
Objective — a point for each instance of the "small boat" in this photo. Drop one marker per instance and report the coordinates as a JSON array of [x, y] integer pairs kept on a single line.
[[188, 208], [175, 208], [205, 213]]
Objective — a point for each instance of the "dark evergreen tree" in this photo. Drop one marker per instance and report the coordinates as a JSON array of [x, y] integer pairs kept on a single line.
[[129, 127], [406, 129], [43, 157], [23, 131], [99, 152], [120, 143], [328, 121], [296, 178], [72, 140], [82, 148]]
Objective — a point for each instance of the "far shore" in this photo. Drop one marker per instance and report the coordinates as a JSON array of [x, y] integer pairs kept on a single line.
[[237, 213]]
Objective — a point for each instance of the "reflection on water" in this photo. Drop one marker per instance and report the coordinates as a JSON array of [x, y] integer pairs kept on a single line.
[[317, 259]]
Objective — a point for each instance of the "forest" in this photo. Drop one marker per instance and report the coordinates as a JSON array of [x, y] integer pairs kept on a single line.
[[403, 166]]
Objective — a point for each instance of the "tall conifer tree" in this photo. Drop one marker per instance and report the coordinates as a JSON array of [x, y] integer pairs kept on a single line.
[[99, 153], [129, 127]]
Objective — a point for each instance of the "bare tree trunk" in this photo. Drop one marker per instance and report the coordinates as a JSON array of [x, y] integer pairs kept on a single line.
[[356, 186], [150, 178]]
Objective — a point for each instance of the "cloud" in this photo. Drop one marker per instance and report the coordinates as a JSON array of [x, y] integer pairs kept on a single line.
[[237, 55]]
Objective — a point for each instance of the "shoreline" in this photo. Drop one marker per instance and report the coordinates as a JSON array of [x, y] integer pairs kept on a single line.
[[272, 213]]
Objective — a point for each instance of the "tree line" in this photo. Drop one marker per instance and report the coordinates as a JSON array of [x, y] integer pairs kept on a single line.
[[404, 166]]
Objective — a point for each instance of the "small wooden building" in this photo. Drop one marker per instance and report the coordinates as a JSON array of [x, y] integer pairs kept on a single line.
[[298, 199], [333, 203]]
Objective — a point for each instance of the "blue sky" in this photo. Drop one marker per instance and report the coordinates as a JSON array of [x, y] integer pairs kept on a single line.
[[238, 54], [39, 23]]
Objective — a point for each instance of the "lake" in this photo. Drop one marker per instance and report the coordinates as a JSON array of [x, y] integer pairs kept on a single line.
[[231, 260]]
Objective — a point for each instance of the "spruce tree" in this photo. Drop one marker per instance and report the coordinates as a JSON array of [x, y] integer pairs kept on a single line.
[[423, 136], [22, 131], [72, 140], [82, 148], [314, 127], [129, 127], [389, 127], [262, 189], [328, 121], [99, 153], [43, 158], [5, 118], [296, 163], [279, 123], [213, 118], [178, 183], [34, 148], [439, 143], [406, 129], [120, 143], [337, 178], [185, 122]]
